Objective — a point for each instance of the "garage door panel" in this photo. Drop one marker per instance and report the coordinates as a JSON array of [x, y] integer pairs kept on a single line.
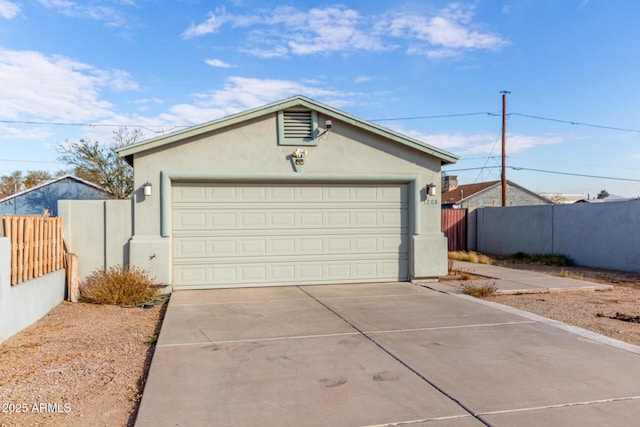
[[272, 274], [256, 234], [310, 245], [191, 219]]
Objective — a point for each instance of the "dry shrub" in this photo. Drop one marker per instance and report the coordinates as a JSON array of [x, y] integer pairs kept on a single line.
[[118, 285], [480, 290], [470, 257]]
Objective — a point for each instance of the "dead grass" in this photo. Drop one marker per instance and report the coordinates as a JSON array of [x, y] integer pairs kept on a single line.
[[481, 290], [118, 286], [470, 257]]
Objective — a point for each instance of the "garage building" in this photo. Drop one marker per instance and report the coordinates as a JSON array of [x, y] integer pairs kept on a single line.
[[292, 193]]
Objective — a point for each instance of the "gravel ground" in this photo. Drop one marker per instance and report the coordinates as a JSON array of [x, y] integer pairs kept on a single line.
[[80, 365], [586, 309], [85, 365]]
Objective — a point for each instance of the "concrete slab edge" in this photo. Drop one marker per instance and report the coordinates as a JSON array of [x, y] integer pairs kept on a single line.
[[423, 420], [592, 336], [554, 290]]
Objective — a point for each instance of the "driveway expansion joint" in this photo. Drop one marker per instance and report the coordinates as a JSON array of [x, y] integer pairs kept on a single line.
[[560, 405], [402, 362]]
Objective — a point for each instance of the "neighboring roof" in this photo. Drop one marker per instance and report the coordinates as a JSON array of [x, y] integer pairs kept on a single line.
[[53, 181], [610, 198], [297, 101], [464, 192], [2, 196]]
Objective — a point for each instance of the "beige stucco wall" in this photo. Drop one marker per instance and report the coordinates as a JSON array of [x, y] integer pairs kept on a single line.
[[251, 148]]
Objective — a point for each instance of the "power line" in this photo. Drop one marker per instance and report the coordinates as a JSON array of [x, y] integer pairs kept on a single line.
[[488, 157], [575, 174], [574, 123], [31, 161], [441, 116], [519, 168], [31, 122]]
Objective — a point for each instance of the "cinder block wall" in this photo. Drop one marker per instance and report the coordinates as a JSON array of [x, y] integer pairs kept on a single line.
[[98, 232], [601, 235]]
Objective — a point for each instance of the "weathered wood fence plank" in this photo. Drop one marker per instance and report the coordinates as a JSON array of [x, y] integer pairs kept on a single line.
[[36, 246]]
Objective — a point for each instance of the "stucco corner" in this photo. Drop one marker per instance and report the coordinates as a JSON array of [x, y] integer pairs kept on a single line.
[[429, 256]]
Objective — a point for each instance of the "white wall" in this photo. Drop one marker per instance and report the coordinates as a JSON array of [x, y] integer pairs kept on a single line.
[[24, 303], [602, 235]]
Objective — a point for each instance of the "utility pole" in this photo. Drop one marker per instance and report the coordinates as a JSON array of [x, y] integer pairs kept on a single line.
[[504, 146]]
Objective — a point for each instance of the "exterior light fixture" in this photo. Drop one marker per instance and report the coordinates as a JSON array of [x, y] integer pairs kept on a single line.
[[297, 158], [147, 189], [431, 189]]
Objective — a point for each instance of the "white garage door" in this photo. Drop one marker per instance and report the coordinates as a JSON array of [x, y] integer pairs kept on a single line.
[[227, 235]]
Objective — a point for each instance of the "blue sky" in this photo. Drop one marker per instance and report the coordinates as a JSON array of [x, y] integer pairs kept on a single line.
[[572, 67]]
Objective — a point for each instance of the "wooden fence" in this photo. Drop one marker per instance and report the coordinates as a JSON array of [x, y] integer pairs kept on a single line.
[[37, 246], [454, 227]]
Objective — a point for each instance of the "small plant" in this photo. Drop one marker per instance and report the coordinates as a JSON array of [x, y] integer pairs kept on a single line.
[[152, 340], [470, 257], [479, 291], [118, 285], [543, 259], [570, 275]]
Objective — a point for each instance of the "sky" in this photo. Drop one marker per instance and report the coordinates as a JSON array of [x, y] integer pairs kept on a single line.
[[433, 70]]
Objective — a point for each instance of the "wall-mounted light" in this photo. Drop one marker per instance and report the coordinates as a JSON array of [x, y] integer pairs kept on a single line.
[[431, 189], [147, 189]]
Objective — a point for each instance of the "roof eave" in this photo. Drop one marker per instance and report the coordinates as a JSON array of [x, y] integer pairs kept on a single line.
[[128, 151]]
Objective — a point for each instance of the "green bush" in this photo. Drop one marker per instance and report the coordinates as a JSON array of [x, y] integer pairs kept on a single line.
[[118, 285]]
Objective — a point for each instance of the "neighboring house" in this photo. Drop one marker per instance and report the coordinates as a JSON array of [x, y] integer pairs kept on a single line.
[[564, 198], [44, 197], [295, 192], [605, 197], [484, 194]]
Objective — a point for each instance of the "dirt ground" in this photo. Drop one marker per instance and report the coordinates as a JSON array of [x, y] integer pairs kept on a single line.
[[85, 365], [592, 310], [80, 365]]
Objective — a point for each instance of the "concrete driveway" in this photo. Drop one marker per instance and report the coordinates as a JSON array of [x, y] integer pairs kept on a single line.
[[377, 355]]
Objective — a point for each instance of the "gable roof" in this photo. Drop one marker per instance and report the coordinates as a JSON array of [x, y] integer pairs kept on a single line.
[[297, 101], [464, 192], [53, 181]]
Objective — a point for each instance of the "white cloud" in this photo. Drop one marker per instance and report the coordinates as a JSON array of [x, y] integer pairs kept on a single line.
[[8, 10], [218, 63], [236, 95], [55, 87], [362, 79], [322, 30], [211, 25], [241, 93], [289, 30], [483, 143], [98, 11], [446, 34]]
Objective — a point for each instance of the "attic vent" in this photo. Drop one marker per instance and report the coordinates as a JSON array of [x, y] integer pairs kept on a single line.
[[297, 127]]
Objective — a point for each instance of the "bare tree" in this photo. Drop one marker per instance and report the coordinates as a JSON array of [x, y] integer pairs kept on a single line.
[[17, 181], [102, 165], [34, 178], [12, 183]]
